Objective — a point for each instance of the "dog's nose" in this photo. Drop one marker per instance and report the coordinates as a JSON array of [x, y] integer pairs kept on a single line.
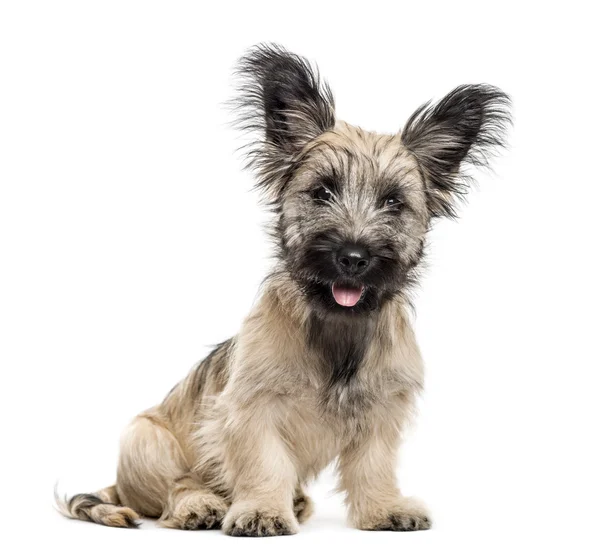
[[353, 259]]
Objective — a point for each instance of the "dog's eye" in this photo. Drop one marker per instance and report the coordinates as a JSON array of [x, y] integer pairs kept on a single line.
[[393, 202], [322, 194]]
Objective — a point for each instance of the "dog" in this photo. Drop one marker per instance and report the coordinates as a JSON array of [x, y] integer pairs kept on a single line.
[[326, 366]]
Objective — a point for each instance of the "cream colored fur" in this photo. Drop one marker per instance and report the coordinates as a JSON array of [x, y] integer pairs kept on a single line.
[[235, 441], [305, 382], [263, 425]]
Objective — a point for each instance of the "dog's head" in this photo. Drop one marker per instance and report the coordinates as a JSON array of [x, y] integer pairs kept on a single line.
[[353, 207]]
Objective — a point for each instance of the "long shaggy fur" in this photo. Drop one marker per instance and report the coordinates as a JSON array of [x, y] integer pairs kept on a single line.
[[326, 366], [467, 126], [102, 507], [281, 105]]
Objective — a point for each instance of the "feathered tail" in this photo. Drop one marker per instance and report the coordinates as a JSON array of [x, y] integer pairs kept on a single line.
[[102, 507]]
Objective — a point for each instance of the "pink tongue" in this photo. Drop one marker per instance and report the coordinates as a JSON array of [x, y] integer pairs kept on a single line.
[[346, 295]]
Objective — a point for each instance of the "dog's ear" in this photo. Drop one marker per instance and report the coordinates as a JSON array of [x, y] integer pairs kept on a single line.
[[282, 99], [466, 126]]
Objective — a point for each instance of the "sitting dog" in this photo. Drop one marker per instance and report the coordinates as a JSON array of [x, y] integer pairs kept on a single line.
[[326, 366]]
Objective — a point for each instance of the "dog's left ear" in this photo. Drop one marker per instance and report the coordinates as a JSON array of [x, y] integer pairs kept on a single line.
[[281, 97], [466, 126]]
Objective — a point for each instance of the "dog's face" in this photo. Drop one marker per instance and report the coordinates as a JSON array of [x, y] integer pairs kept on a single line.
[[352, 220], [353, 207]]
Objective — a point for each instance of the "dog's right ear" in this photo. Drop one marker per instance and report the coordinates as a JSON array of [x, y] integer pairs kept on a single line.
[[282, 99]]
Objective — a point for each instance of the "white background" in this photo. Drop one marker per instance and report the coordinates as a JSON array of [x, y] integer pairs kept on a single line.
[[130, 243]]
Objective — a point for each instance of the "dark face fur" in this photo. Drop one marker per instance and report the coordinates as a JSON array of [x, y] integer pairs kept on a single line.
[[352, 220], [353, 207]]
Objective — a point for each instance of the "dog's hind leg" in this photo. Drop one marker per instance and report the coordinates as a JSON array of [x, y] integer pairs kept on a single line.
[[154, 477], [303, 505], [149, 462]]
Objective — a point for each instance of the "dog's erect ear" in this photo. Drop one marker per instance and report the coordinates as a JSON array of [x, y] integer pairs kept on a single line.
[[282, 100], [466, 126]]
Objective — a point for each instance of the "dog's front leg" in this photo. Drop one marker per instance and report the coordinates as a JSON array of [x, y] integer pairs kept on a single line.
[[261, 471], [367, 475]]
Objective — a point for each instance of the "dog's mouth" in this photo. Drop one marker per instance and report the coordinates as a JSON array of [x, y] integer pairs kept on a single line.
[[346, 295]]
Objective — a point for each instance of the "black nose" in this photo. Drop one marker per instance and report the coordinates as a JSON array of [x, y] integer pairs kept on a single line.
[[353, 259]]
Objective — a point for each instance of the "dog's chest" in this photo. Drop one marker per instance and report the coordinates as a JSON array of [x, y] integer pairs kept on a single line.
[[341, 408], [321, 422]]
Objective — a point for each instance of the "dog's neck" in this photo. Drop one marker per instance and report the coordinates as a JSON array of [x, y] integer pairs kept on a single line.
[[341, 341]]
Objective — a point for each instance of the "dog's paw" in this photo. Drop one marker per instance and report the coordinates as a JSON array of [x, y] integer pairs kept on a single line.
[[403, 521], [196, 512], [303, 507], [407, 516], [256, 521]]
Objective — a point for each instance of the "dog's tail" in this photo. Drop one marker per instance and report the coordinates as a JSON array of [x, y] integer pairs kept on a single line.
[[103, 507]]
